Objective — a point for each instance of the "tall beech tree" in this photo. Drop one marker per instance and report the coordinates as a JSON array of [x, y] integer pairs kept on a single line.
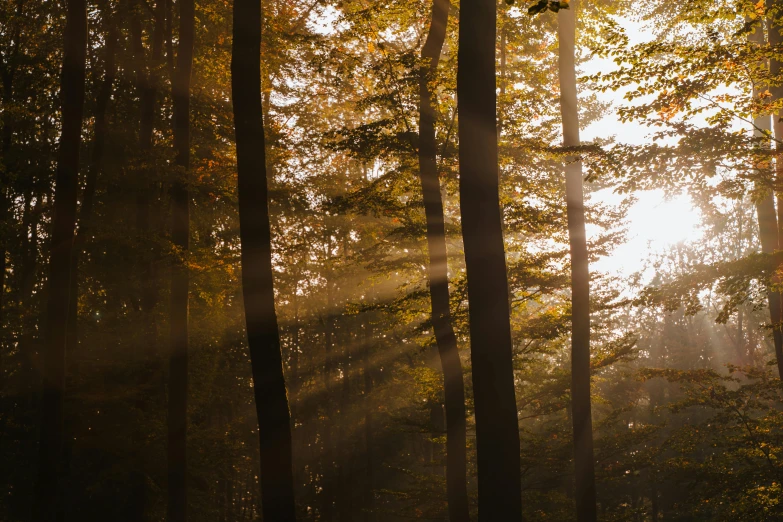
[[47, 501], [269, 388], [453, 385], [147, 86], [497, 430], [765, 206], [581, 412], [774, 26], [93, 170], [180, 279]]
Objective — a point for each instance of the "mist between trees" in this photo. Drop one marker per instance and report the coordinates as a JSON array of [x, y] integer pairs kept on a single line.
[[351, 261]]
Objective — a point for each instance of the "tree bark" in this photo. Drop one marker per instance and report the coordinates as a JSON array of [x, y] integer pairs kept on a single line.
[[180, 225], [368, 424], [7, 74], [47, 495], [148, 92], [497, 429], [768, 223], [454, 387], [88, 197], [277, 485], [774, 8], [584, 462]]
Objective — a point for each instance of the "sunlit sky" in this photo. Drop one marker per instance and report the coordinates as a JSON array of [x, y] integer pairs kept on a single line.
[[654, 222]]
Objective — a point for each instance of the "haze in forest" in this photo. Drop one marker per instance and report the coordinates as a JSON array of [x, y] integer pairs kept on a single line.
[[390, 260]]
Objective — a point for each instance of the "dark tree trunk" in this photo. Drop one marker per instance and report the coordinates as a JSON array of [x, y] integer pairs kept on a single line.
[[454, 387], [180, 225], [5, 199], [88, 197], [497, 429], [47, 498], [148, 93], [368, 424], [7, 74], [768, 223], [768, 236], [775, 9], [328, 461], [277, 487], [584, 462], [345, 470]]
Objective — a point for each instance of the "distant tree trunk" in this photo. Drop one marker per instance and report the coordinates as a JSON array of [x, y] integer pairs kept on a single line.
[[345, 497], [584, 462], [768, 223], [368, 424], [328, 465], [169, 37], [149, 78], [7, 75], [497, 428], [454, 387], [277, 484], [88, 197], [5, 147], [775, 9], [63, 223], [180, 227]]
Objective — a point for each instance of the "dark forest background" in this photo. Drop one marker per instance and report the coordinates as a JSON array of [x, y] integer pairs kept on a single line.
[[126, 383]]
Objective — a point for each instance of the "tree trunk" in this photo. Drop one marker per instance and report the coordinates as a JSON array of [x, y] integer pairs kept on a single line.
[[5, 199], [368, 423], [774, 8], [768, 223], [454, 387], [88, 198], [63, 223], [148, 78], [345, 470], [7, 74], [497, 429], [584, 462], [180, 224], [328, 460], [277, 485]]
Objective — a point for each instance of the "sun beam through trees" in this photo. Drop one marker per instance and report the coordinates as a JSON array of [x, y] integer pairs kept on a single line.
[[377, 261]]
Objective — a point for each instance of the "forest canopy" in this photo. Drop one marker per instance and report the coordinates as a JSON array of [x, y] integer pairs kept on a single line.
[[354, 260]]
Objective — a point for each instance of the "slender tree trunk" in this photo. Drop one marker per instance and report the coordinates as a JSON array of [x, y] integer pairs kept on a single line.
[[88, 197], [5, 147], [169, 25], [328, 464], [497, 429], [148, 94], [775, 11], [368, 424], [768, 223], [584, 462], [66, 186], [454, 387], [345, 497], [7, 74], [180, 225], [277, 484]]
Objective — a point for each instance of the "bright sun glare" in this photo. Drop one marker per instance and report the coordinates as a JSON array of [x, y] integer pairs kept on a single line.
[[654, 224]]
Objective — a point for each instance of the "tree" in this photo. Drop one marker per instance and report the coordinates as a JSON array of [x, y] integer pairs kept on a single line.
[[581, 411], [497, 430], [765, 206], [454, 388], [180, 232], [66, 187], [274, 430]]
